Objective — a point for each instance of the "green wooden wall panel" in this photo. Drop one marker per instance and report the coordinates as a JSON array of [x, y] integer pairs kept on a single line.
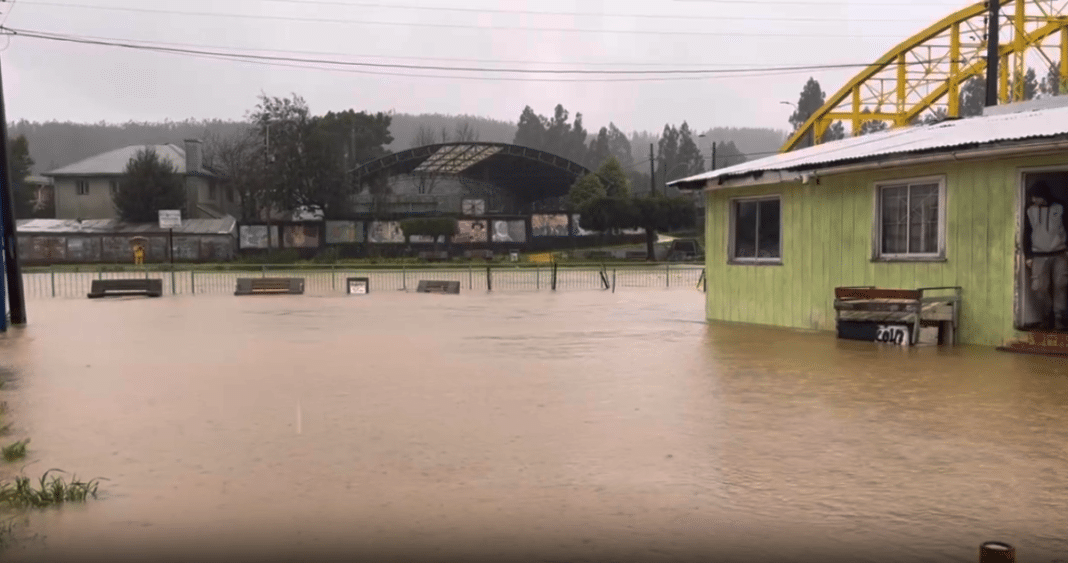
[[828, 237]]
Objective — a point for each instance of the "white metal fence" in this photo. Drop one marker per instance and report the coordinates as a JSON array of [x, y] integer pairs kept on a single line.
[[326, 280]]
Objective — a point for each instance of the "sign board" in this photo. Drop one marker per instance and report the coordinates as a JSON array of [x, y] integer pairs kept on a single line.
[[358, 286], [170, 218], [900, 334]]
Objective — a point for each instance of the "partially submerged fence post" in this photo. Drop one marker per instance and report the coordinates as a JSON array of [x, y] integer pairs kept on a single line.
[[192, 282], [172, 282], [263, 270], [470, 277], [53, 283], [489, 278], [554, 277], [613, 280], [333, 278], [537, 277], [604, 275], [667, 274], [404, 277]]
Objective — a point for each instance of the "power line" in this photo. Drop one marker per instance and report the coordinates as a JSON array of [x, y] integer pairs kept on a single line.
[[143, 42], [645, 75], [687, 17], [340, 21]]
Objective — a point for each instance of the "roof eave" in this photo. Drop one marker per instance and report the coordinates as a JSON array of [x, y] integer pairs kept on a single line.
[[896, 160]]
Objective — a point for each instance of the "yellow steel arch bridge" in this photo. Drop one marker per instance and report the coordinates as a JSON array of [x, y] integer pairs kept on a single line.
[[924, 74]]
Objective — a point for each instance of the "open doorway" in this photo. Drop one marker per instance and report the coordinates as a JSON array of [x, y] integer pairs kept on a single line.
[[1042, 261]]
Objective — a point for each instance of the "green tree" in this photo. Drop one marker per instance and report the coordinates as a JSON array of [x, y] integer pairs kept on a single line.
[[619, 146], [728, 154], [238, 156], [667, 155], [1051, 85], [937, 115], [690, 160], [148, 185], [586, 189], [972, 97], [614, 178], [599, 150], [1030, 85], [661, 213], [872, 125], [308, 157], [531, 130], [431, 227], [21, 166]]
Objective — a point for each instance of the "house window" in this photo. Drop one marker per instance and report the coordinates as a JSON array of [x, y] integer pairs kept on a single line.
[[82, 187], [911, 220], [114, 187], [756, 231], [211, 191]]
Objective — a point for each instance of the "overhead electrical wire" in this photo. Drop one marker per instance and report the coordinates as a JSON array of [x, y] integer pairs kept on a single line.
[[487, 11], [451, 26], [362, 67]]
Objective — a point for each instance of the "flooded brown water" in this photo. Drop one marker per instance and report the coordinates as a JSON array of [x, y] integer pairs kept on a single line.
[[582, 426]]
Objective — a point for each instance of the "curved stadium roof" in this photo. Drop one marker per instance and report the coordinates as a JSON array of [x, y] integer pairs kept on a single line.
[[531, 174]]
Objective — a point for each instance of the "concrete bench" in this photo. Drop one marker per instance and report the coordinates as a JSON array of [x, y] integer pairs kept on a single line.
[[432, 286], [138, 286], [270, 286]]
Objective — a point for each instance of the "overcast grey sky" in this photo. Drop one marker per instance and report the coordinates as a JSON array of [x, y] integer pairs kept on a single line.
[[46, 80]]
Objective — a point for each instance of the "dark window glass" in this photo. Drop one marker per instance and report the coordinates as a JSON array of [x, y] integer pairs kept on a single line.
[[757, 229], [910, 219]]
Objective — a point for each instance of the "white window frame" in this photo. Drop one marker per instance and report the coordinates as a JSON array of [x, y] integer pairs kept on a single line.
[[877, 230], [731, 242], [81, 187]]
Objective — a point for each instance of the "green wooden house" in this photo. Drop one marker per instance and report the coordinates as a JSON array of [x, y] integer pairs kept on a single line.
[[911, 207]]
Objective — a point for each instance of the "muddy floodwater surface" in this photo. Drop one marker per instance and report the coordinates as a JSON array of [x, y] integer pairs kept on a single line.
[[583, 426]]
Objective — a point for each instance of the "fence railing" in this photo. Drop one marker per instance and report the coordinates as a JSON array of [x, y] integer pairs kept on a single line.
[[60, 282]]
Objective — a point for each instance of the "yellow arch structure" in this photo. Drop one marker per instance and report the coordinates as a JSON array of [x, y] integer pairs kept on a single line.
[[924, 73]]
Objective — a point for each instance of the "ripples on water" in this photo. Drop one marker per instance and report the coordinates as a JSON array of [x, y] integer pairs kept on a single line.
[[547, 427]]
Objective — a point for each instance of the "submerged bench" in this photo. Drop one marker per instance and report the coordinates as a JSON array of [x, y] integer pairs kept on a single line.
[[136, 286], [269, 286], [432, 286], [896, 315]]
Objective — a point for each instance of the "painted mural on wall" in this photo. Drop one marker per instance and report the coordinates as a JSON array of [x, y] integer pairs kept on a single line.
[[344, 232], [385, 232], [548, 225], [509, 231], [301, 236], [470, 232]]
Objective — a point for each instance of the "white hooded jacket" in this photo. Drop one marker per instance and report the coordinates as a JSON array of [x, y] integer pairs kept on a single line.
[[1047, 228]]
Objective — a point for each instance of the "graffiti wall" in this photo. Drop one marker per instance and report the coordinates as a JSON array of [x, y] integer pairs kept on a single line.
[[509, 231], [385, 232], [470, 232], [344, 232], [548, 225], [255, 236]]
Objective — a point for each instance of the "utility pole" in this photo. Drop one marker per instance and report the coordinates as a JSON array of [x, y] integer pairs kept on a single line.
[[7, 225], [713, 155], [992, 56], [652, 171]]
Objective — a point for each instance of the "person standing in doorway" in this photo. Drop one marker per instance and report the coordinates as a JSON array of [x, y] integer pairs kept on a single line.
[[1046, 250]]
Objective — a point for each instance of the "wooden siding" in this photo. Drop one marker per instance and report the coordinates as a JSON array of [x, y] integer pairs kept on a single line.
[[828, 233]]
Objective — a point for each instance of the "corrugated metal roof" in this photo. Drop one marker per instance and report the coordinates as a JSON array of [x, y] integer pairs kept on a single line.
[[224, 226], [959, 133], [114, 162]]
